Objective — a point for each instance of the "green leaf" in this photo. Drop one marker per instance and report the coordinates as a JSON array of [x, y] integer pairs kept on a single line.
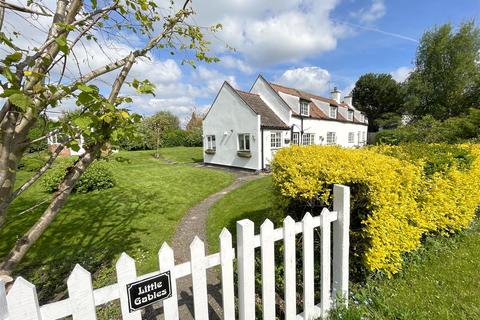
[[74, 145], [21, 100], [62, 44], [12, 58], [83, 122], [85, 88]]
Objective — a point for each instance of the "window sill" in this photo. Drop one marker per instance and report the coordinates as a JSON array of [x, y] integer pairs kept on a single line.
[[210, 151], [244, 154]]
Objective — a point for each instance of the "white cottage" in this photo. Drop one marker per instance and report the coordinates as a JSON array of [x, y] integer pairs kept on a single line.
[[245, 129]]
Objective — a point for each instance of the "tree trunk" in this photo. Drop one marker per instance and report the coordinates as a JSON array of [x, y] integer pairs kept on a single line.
[[59, 199]]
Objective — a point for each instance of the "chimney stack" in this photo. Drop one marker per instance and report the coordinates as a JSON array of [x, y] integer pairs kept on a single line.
[[348, 100], [336, 95]]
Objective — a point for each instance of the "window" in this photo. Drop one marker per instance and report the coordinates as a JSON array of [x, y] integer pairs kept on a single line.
[[333, 112], [350, 115], [362, 118], [308, 138], [364, 138], [304, 108], [276, 139], [331, 138], [351, 137], [358, 136], [244, 142], [211, 145], [295, 137]]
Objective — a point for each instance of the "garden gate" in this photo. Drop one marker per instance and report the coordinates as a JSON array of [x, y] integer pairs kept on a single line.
[[21, 302]]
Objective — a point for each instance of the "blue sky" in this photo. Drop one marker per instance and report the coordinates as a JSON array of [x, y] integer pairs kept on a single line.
[[357, 47], [312, 45]]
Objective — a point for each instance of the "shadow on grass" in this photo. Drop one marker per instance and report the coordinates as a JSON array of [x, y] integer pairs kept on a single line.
[[93, 241]]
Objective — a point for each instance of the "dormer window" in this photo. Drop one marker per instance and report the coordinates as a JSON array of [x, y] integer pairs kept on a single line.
[[333, 112], [304, 109], [350, 115]]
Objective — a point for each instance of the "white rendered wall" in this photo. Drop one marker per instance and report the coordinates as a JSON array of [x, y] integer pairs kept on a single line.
[[228, 117], [263, 89], [268, 151], [341, 129]]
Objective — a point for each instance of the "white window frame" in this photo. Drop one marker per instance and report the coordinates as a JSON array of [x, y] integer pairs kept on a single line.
[[364, 137], [296, 138], [275, 139], [331, 138], [332, 112], [211, 142], [243, 137], [350, 115], [308, 139], [304, 107], [351, 137]]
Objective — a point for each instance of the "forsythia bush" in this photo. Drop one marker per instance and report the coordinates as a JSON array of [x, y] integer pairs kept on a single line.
[[402, 193]]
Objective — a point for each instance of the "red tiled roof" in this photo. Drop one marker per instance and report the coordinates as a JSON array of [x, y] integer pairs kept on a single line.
[[268, 119]]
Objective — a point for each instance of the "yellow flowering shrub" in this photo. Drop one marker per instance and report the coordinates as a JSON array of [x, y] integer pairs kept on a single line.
[[399, 202]]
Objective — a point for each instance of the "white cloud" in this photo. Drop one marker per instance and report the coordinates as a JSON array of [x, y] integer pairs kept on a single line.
[[269, 32], [213, 79], [312, 79], [368, 15], [401, 74], [234, 63]]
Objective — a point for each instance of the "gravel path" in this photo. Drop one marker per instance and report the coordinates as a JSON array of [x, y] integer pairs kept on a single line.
[[194, 224]]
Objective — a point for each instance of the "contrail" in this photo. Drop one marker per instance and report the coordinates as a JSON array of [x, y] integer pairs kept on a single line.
[[392, 34]]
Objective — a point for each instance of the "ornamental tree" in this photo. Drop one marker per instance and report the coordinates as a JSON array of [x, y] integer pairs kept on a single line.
[[35, 80]]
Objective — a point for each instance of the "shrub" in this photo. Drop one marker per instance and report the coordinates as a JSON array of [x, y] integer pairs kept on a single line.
[[397, 198], [97, 177]]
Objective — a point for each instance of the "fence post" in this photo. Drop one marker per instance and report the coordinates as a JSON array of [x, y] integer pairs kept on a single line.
[[166, 260], [226, 262], [268, 270], [325, 263], [199, 279], [341, 243], [246, 269], [308, 267], [22, 301], [126, 273], [290, 268], [3, 301], [80, 293]]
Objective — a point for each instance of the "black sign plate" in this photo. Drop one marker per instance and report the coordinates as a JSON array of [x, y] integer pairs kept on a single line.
[[148, 291]]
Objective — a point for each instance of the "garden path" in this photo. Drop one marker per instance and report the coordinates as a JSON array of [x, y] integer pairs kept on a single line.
[[193, 224]]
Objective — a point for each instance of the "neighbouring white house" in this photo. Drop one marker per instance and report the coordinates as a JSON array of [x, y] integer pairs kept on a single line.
[[55, 139], [245, 129]]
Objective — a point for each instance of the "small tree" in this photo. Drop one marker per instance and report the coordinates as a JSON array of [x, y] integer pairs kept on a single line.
[[446, 78], [157, 125], [380, 97], [34, 80]]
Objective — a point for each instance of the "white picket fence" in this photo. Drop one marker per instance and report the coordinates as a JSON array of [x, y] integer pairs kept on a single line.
[[21, 302]]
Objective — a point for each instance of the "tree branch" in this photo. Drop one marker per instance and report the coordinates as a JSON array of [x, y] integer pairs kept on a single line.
[[15, 7]]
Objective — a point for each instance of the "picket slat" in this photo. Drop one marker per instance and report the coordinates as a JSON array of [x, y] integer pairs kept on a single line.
[[22, 301], [166, 260], [268, 270], [126, 273], [226, 261], [199, 279], [308, 267], [246, 269], [290, 268], [3, 301], [341, 243], [80, 292], [325, 262]]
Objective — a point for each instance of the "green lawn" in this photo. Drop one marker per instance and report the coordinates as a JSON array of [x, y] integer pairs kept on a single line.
[[253, 201], [440, 281], [136, 216], [182, 154]]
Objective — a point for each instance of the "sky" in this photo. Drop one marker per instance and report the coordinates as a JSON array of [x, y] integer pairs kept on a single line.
[[313, 45]]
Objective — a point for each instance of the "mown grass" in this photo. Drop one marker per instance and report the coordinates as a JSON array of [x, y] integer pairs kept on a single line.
[[182, 154], [439, 281], [136, 216], [253, 201]]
